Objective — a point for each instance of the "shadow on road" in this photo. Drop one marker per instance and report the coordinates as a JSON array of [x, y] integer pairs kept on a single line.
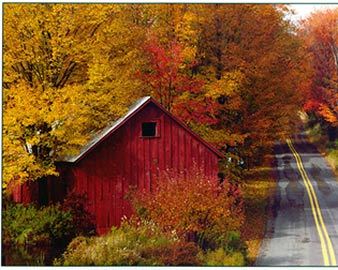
[[292, 238]]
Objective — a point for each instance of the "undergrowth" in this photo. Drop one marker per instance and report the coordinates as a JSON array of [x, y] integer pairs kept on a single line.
[[257, 189]]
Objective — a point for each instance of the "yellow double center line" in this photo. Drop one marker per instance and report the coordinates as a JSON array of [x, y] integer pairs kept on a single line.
[[325, 241]]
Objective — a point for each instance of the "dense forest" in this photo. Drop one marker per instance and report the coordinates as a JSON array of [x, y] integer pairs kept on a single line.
[[242, 76], [236, 74]]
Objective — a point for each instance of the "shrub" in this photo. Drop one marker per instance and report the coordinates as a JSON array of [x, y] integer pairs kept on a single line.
[[235, 243], [195, 207], [31, 226], [131, 244], [56, 223], [82, 219], [175, 254], [221, 257]]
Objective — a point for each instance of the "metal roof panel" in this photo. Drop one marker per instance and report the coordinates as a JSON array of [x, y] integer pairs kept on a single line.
[[119, 122], [106, 131]]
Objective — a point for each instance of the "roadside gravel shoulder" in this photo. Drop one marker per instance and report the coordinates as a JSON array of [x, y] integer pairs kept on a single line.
[[258, 192]]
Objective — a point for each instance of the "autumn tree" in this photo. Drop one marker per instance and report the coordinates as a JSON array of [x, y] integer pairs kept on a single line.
[[319, 33], [41, 55], [228, 71], [249, 55], [172, 83], [194, 207], [67, 73], [171, 51]]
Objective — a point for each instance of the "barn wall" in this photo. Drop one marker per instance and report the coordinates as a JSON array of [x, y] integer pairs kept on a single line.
[[126, 159], [42, 191], [122, 160], [25, 193]]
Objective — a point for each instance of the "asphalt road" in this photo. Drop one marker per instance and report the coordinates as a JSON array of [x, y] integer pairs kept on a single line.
[[303, 229]]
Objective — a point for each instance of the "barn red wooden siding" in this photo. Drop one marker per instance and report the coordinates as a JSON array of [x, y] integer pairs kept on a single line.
[[55, 189], [25, 193], [125, 159]]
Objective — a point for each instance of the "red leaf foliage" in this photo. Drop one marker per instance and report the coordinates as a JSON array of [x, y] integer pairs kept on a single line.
[[190, 203], [173, 84]]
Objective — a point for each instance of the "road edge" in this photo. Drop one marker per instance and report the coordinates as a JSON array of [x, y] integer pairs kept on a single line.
[[269, 226]]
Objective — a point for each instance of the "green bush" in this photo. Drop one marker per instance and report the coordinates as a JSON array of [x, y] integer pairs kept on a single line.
[[23, 225], [221, 257], [332, 157], [131, 244], [225, 247], [235, 243]]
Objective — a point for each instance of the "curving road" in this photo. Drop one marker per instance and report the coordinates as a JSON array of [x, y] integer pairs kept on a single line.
[[303, 230]]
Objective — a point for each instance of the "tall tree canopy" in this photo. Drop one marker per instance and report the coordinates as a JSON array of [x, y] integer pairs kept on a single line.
[[68, 71], [320, 35], [229, 71], [250, 56]]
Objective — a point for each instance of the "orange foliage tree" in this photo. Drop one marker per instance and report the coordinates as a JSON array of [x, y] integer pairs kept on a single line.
[[320, 36], [194, 207], [249, 53], [172, 83], [228, 71]]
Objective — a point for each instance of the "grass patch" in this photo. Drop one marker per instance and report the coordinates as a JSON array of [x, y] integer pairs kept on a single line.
[[257, 188], [332, 158], [220, 257]]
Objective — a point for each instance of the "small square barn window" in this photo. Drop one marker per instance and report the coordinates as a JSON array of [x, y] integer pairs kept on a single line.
[[149, 129]]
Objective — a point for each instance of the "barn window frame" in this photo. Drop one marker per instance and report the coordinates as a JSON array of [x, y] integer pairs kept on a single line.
[[157, 129]]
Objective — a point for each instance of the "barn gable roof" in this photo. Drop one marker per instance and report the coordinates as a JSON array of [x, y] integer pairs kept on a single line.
[[136, 107]]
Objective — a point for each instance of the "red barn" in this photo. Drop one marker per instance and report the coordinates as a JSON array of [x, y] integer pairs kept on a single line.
[[133, 151]]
